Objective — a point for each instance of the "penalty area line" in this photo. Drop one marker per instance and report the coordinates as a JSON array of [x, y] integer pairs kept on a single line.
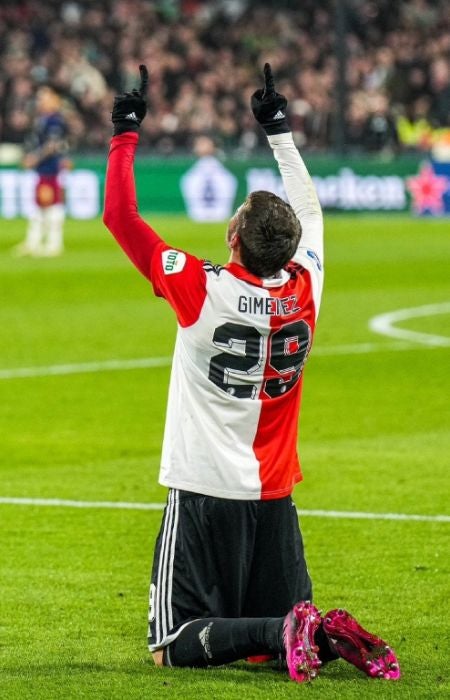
[[384, 324], [123, 505]]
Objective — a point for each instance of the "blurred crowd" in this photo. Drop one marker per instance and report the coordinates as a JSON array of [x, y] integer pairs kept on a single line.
[[206, 58]]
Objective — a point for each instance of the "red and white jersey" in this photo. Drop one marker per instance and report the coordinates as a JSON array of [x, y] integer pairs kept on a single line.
[[242, 341]]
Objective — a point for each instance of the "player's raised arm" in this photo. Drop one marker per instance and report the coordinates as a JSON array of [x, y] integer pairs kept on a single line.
[[120, 215], [269, 109]]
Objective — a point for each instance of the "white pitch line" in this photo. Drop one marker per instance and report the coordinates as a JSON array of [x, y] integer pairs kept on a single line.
[[360, 348], [384, 324], [82, 367], [63, 503], [151, 362], [121, 505], [360, 515]]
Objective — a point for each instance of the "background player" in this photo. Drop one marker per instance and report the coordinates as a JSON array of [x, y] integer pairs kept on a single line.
[[229, 567], [48, 158]]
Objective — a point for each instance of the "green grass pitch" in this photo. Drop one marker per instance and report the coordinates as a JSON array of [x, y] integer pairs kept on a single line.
[[374, 438]]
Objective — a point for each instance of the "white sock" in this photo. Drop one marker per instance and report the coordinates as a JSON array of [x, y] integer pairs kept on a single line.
[[35, 231], [54, 219]]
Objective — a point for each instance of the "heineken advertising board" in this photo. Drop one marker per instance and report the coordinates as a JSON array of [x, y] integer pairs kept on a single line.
[[209, 189]]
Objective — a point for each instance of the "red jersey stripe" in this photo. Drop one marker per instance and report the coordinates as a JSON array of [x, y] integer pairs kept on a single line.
[[289, 342]]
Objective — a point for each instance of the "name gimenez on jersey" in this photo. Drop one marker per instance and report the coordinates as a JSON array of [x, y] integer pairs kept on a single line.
[[268, 306]]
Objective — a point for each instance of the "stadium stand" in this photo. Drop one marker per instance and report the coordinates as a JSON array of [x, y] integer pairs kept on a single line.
[[204, 59]]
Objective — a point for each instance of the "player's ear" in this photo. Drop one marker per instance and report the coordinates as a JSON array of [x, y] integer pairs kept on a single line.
[[234, 241]]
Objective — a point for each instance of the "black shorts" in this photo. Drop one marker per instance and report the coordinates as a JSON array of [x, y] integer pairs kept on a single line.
[[217, 557]]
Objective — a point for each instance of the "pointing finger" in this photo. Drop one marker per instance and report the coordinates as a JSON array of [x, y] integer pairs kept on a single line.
[[144, 80], [269, 85]]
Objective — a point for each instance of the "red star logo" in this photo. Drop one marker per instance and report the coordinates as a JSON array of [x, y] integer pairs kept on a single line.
[[427, 190]]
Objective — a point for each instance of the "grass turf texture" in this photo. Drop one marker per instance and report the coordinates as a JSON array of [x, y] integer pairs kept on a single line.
[[374, 437]]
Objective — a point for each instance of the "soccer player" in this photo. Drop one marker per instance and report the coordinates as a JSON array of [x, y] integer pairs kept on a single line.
[[47, 157], [229, 576]]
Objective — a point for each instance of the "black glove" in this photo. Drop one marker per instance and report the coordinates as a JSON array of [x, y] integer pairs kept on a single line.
[[269, 107], [130, 109]]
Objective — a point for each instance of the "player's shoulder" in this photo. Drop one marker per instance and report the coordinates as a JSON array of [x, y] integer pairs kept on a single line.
[[212, 269], [294, 269], [302, 274], [173, 261]]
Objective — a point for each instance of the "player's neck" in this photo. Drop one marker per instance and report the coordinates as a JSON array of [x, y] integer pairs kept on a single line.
[[235, 257]]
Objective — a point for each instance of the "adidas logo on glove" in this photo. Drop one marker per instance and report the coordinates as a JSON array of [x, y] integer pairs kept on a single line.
[[279, 115], [132, 116]]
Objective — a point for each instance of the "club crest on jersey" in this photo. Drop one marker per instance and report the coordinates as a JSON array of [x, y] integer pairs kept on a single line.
[[173, 261]]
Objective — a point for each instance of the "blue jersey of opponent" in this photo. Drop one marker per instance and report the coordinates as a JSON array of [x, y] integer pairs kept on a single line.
[[51, 127]]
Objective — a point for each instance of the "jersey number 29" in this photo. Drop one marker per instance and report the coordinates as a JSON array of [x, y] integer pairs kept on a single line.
[[287, 349]]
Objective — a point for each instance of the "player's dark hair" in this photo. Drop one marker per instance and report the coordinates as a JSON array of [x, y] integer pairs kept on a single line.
[[269, 233]]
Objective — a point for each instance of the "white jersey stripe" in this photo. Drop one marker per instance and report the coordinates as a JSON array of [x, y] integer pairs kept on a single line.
[[164, 602], [171, 560], [159, 603], [157, 595]]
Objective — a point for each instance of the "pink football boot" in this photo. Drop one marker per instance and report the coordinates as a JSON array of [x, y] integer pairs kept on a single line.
[[360, 648], [300, 625]]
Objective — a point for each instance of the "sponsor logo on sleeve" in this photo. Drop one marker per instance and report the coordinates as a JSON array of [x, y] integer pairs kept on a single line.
[[311, 254], [173, 261]]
